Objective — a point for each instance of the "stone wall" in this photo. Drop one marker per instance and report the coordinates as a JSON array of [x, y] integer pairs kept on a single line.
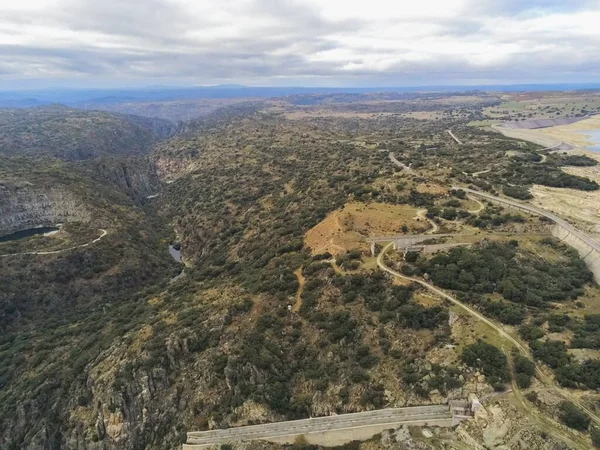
[[589, 254]]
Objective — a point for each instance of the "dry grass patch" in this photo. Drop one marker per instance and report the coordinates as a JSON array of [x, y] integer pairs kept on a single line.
[[346, 229], [429, 188], [579, 205]]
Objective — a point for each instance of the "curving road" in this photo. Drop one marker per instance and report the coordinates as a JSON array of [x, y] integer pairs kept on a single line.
[[537, 211], [525, 351], [481, 206], [422, 213], [400, 164], [103, 233]]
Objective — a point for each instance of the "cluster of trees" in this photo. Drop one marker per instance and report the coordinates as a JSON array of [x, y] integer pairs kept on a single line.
[[528, 157], [569, 372], [576, 160], [490, 360], [573, 417], [586, 332], [518, 192], [491, 219], [350, 260], [448, 212], [520, 174], [502, 268], [524, 370]]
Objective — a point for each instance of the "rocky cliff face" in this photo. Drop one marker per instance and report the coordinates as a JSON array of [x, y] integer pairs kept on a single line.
[[137, 177], [23, 206]]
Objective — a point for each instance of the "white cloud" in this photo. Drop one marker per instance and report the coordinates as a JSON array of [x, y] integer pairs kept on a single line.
[[297, 41]]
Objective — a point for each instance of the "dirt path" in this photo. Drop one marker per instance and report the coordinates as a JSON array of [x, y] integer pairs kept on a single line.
[[542, 377], [301, 282], [400, 164], [481, 172], [481, 205], [454, 137], [103, 233], [434, 226], [544, 423]]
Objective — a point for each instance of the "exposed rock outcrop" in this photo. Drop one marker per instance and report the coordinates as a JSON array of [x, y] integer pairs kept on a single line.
[[137, 177], [24, 206]]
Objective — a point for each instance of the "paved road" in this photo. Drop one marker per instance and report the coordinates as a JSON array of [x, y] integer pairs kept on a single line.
[[537, 211], [103, 233], [391, 416]]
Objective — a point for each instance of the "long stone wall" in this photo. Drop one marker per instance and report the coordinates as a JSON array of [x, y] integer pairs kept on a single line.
[[329, 430], [588, 253]]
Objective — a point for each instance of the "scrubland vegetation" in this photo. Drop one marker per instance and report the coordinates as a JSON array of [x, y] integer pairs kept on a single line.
[[239, 337]]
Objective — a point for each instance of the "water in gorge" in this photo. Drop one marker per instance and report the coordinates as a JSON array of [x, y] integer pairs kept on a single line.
[[27, 233]]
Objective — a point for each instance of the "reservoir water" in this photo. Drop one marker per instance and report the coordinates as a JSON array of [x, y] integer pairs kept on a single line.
[[176, 254], [27, 233], [594, 137]]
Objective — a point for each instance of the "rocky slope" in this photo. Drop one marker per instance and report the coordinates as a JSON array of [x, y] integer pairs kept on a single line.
[[24, 206]]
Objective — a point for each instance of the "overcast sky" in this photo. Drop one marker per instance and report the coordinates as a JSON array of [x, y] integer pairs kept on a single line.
[[298, 42]]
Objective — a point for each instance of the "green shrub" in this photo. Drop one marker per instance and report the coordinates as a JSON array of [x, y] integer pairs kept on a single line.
[[573, 417], [488, 359]]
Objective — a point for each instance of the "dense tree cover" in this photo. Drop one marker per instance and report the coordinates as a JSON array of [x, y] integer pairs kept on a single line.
[[529, 157], [595, 435], [349, 260], [531, 332], [552, 353], [459, 193], [72, 134], [59, 313], [576, 160], [569, 372], [245, 186], [586, 332], [489, 359], [573, 417], [524, 370], [520, 174], [494, 217], [518, 192], [500, 267]]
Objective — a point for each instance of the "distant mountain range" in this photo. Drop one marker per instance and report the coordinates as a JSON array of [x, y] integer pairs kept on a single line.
[[72, 97]]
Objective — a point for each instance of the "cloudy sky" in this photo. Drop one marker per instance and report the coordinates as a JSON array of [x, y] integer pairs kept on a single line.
[[298, 42]]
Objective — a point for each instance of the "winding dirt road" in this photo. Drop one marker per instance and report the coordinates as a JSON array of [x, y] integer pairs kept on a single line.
[[542, 377], [481, 205], [422, 215], [454, 137], [103, 233], [400, 164]]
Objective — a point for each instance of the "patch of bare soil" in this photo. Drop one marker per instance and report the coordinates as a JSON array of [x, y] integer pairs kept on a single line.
[[301, 283], [579, 205], [428, 188], [347, 228]]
